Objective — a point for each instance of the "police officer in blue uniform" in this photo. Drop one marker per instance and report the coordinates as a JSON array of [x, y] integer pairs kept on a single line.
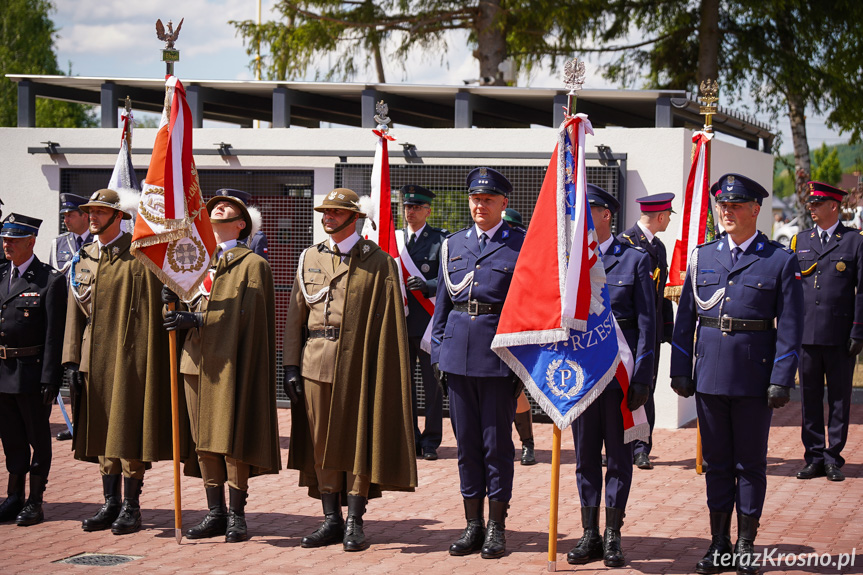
[[422, 243], [477, 264], [32, 321], [744, 294], [258, 241], [633, 302], [655, 216], [831, 260], [67, 244]]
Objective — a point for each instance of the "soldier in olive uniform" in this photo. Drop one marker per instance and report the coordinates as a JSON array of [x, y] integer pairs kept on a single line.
[[257, 241], [33, 302]]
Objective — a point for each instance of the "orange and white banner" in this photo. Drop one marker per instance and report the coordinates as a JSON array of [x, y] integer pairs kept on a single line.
[[173, 236]]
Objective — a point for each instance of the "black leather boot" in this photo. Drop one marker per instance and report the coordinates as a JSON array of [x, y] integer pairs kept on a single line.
[[494, 545], [236, 530], [332, 530], [719, 557], [129, 519], [524, 427], [216, 521], [744, 550], [473, 536], [14, 502], [32, 514], [110, 510], [613, 556], [589, 547], [355, 538]]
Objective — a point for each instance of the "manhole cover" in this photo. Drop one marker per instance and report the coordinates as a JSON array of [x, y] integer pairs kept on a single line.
[[97, 559]]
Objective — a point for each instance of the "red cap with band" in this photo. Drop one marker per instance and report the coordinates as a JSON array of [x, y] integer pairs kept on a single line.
[[656, 202], [819, 191]]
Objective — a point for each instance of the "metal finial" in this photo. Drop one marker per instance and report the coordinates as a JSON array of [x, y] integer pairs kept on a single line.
[[169, 53], [708, 94], [381, 117], [573, 75]]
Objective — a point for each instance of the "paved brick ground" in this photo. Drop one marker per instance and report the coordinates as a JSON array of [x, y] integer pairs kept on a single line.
[[666, 527]]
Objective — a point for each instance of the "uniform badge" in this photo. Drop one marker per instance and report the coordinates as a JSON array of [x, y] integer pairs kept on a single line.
[[719, 246], [12, 218], [729, 183], [26, 313], [425, 268], [483, 173], [616, 249], [332, 195], [366, 249], [115, 250], [840, 267], [504, 234], [759, 246], [230, 256]]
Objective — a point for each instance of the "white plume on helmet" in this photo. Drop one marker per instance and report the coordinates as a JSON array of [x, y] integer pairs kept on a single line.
[[257, 219], [370, 209], [129, 200]]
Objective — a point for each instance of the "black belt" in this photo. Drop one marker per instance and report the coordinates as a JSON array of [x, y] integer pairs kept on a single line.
[[627, 322], [726, 323], [329, 332], [12, 352], [474, 307]]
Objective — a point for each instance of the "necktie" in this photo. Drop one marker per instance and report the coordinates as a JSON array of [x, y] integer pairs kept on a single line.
[[412, 241], [483, 240], [735, 254], [337, 256], [824, 238], [78, 242]]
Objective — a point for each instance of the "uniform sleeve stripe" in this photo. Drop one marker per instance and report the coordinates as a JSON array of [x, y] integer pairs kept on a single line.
[[643, 356], [794, 353], [679, 348]]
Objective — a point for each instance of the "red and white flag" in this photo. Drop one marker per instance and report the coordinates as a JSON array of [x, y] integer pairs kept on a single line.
[[696, 210], [173, 236]]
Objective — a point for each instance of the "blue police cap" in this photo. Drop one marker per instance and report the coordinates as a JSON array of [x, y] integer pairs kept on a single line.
[[656, 203], [738, 189], [244, 197], [18, 226], [488, 181], [596, 196], [71, 203], [512, 216], [415, 195]]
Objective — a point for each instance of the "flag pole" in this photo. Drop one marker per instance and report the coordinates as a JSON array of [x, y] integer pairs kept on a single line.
[[709, 90]]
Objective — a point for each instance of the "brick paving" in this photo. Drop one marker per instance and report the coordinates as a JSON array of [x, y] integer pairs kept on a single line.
[[666, 528]]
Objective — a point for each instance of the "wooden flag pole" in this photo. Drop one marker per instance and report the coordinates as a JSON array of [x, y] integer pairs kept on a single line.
[[555, 494], [175, 433]]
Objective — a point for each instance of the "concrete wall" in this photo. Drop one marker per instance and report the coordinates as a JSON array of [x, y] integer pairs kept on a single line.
[[658, 161]]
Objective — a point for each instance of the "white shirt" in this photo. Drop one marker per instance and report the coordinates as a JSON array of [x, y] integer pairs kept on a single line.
[[829, 230], [647, 233], [347, 244], [223, 247], [101, 245], [604, 246], [416, 233], [744, 245], [21, 269]]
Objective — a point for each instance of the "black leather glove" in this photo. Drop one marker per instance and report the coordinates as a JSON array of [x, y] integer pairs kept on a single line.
[[440, 376], [49, 393], [683, 385], [76, 380], [637, 395], [292, 384], [855, 346], [168, 296], [778, 396], [178, 320], [417, 283]]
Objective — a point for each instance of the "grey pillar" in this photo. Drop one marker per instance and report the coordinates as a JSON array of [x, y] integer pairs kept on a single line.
[[463, 110], [367, 111], [558, 111], [195, 97], [26, 104], [281, 107], [108, 100], [768, 145], [663, 113]]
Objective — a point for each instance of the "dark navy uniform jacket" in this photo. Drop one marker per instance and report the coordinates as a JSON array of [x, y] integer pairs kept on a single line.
[[764, 284], [461, 343], [258, 244], [631, 288], [63, 248], [832, 282], [33, 313], [425, 253], [659, 270]]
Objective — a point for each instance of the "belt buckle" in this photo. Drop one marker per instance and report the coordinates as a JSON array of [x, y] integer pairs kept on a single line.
[[2, 352], [330, 333], [725, 323], [472, 307]]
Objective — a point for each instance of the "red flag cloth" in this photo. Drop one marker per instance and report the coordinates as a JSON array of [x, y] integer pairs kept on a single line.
[[173, 236]]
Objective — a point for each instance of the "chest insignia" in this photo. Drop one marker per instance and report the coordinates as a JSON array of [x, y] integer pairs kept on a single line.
[[425, 268], [840, 266]]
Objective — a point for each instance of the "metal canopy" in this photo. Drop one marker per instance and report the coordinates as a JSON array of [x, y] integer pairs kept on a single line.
[[352, 104]]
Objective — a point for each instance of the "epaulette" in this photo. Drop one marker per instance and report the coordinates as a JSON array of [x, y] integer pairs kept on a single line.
[[629, 238], [781, 246], [635, 247], [464, 229], [713, 241]]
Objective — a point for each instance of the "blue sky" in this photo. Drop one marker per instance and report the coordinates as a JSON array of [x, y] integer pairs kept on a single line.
[[118, 39]]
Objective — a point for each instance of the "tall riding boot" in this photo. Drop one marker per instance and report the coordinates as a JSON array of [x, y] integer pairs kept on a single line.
[[32, 514], [719, 556], [129, 519], [524, 427], [613, 553], [355, 538], [216, 521], [237, 530], [744, 550], [589, 547], [14, 503], [494, 545], [332, 530], [110, 510], [473, 536]]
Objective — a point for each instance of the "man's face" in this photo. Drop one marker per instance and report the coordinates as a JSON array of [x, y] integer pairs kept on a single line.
[[486, 209], [739, 217], [664, 218], [333, 219], [76, 221], [19, 250], [601, 220], [227, 230], [416, 215], [824, 212], [100, 216]]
